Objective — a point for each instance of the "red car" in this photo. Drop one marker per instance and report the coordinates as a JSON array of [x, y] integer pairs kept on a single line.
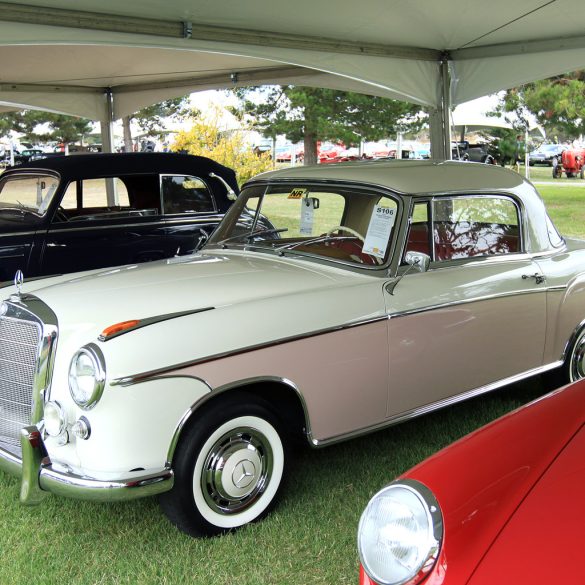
[[502, 505]]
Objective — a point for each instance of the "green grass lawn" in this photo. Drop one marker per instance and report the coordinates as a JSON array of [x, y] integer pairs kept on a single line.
[[310, 537]]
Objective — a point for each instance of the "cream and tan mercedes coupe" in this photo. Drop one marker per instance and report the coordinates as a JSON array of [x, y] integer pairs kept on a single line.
[[330, 302]]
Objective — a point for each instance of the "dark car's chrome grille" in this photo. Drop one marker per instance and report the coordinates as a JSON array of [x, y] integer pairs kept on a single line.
[[19, 346]]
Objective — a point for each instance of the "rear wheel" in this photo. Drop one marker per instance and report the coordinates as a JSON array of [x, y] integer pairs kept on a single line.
[[229, 467], [575, 365]]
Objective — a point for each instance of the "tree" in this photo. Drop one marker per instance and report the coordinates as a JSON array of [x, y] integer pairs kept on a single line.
[[65, 129], [151, 120], [558, 104], [206, 138], [315, 114]]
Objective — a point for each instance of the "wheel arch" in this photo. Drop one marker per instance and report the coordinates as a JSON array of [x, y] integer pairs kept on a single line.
[[281, 395]]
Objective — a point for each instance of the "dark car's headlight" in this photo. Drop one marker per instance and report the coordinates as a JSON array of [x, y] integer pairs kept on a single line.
[[87, 376], [400, 533]]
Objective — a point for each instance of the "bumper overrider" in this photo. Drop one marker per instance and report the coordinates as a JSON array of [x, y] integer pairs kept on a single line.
[[39, 476]]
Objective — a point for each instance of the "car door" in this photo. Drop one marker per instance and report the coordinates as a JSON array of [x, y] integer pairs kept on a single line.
[[190, 211], [87, 233], [476, 317]]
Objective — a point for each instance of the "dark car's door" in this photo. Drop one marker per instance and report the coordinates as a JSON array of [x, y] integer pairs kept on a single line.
[[87, 233], [24, 201], [190, 211]]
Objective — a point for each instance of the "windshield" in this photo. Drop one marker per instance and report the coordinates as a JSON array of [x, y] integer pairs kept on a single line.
[[26, 196], [350, 225]]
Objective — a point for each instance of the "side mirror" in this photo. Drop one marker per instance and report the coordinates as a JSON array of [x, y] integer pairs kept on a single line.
[[418, 261]]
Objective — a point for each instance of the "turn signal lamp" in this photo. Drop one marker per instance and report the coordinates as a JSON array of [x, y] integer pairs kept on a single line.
[[113, 330]]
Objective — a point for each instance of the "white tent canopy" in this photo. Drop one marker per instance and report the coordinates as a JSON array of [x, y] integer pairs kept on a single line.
[[107, 59]]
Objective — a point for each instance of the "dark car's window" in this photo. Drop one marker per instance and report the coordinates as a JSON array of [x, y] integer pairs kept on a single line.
[[27, 197], [133, 196], [185, 194], [465, 227]]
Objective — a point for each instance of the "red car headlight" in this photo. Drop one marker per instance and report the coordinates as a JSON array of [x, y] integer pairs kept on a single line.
[[400, 534]]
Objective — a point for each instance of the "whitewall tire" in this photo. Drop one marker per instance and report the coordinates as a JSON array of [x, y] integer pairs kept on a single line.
[[229, 467]]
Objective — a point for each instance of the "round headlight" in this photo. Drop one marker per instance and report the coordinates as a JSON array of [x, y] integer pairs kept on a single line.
[[54, 418], [87, 376], [400, 534]]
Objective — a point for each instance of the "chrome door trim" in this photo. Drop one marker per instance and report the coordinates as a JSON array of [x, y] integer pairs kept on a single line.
[[434, 406]]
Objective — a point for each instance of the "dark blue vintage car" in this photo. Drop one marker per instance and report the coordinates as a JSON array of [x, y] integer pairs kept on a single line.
[[80, 212]]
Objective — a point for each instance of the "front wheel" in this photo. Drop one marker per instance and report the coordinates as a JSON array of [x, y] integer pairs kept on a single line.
[[229, 468]]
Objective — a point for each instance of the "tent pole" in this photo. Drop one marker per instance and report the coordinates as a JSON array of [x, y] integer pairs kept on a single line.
[[107, 129], [440, 118]]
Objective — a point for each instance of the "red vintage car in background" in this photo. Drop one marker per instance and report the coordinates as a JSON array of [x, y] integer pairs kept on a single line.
[[572, 163], [502, 505]]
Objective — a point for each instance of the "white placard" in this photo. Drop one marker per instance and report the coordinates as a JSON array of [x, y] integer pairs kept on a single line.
[[307, 214], [379, 230]]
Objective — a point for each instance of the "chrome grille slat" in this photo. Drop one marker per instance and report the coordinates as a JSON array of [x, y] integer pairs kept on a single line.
[[19, 346]]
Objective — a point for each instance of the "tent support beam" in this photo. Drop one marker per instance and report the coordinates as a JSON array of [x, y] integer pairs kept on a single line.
[[85, 20]]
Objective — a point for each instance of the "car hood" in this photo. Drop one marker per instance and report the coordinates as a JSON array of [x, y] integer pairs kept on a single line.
[[482, 480], [550, 520], [179, 284]]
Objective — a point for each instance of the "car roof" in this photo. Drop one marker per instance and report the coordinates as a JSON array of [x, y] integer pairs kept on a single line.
[[80, 166], [407, 176]]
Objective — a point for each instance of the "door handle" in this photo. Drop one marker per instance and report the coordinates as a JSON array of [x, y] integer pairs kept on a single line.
[[55, 245], [539, 278]]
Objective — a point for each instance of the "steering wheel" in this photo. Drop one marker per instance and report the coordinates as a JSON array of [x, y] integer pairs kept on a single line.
[[339, 228]]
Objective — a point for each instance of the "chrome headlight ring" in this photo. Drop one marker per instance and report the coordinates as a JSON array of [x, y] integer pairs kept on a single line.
[[87, 376], [400, 533]]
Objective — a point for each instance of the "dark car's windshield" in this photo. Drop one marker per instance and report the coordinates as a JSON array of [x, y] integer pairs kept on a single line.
[[26, 196], [352, 225]]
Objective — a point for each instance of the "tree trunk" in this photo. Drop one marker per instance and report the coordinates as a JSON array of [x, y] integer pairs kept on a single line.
[[310, 144], [127, 134]]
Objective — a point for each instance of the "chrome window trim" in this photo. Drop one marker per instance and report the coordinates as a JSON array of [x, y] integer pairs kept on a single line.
[[374, 189], [196, 221], [415, 412], [162, 201]]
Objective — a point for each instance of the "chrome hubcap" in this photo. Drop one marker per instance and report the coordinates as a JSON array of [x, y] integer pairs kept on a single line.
[[578, 361], [236, 470]]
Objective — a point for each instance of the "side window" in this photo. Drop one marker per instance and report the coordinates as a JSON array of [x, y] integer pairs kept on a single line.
[[183, 194], [464, 227], [94, 198]]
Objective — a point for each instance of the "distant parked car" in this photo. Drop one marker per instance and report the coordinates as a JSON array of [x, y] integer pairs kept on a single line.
[[546, 154], [572, 163], [502, 505], [472, 153], [25, 156], [68, 213]]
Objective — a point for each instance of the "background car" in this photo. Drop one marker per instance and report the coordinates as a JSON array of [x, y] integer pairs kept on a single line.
[[546, 154], [476, 512], [331, 301], [70, 213], [472, 152]]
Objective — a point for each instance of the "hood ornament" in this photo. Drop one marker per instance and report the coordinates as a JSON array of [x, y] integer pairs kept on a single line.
[[18, 282]]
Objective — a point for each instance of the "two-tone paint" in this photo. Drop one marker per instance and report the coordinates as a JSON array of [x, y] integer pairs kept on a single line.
[[335, 350]]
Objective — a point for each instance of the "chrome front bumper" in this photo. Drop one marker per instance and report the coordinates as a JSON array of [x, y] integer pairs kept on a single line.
[[39, 476]]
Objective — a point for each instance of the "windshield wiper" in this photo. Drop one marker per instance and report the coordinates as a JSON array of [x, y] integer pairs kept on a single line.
[[322, 238], [251, 235]]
